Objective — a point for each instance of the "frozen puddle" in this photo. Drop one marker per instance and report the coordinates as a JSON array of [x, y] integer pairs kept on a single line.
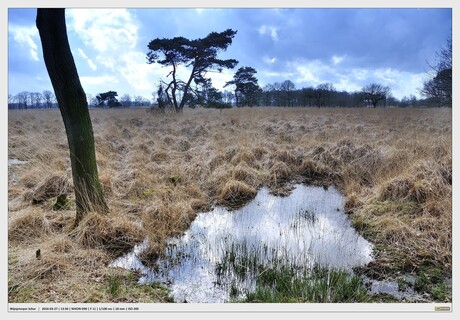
[[224, 250]]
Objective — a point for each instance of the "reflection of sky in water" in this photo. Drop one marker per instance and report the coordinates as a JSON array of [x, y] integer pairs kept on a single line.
[[308, 227], [15, 161]]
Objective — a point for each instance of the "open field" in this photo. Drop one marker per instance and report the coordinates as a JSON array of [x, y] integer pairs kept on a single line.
[[394, 167]]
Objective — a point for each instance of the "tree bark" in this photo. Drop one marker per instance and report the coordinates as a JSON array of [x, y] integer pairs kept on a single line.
[[174, 88], [74, 111], [187, 86]]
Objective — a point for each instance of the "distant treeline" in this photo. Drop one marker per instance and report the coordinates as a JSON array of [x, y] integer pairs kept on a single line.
[[324, 95], [272, 95], [47, 100]]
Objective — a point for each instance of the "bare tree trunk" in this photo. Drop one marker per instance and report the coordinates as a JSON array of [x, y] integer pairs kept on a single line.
[[74, 110]]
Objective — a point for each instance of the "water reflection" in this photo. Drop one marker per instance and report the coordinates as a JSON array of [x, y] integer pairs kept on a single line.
[[223, 250], [12, 162]]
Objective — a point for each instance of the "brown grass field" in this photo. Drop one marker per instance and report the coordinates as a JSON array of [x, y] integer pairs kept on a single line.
[[394, 167]]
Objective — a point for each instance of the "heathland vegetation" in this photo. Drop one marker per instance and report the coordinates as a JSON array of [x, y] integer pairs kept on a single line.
[[394, 167]]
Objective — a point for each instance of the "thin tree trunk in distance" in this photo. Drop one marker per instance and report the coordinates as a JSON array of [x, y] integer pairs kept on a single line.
[[74, 110]]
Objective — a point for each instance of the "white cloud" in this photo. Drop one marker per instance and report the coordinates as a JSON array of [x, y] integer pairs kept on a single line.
[[92, 65], [274, 34], [359, 74], [337, 59], [314, 72], [262, 29], [278, 75], [402, 83], [113, 35], [26, 36], [270, 30], [306, 74], [345, 84], [82, 53], [110, 62], [268, 60], [141, 76], [105, 30], [388, 75], [90, 62], [220, 78], [98, 80]]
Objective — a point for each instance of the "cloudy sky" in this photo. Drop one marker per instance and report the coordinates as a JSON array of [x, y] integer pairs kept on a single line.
[[347, 47]]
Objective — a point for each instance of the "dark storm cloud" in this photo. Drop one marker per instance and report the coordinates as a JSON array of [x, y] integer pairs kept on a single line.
[[397, 38]]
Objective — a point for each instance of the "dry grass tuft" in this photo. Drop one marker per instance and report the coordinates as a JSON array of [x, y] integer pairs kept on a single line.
[[28, 226], [235, 193], [48, 268], [93, 230], [106, 182], [200, 205], [289, 157], [280, 173], [51, 187], [352, 202], [396, 231], [114, 234], [426, 180], [399, 188], [163, 221], [315, 172], [62, 245], [243, 155], [242, 172]]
